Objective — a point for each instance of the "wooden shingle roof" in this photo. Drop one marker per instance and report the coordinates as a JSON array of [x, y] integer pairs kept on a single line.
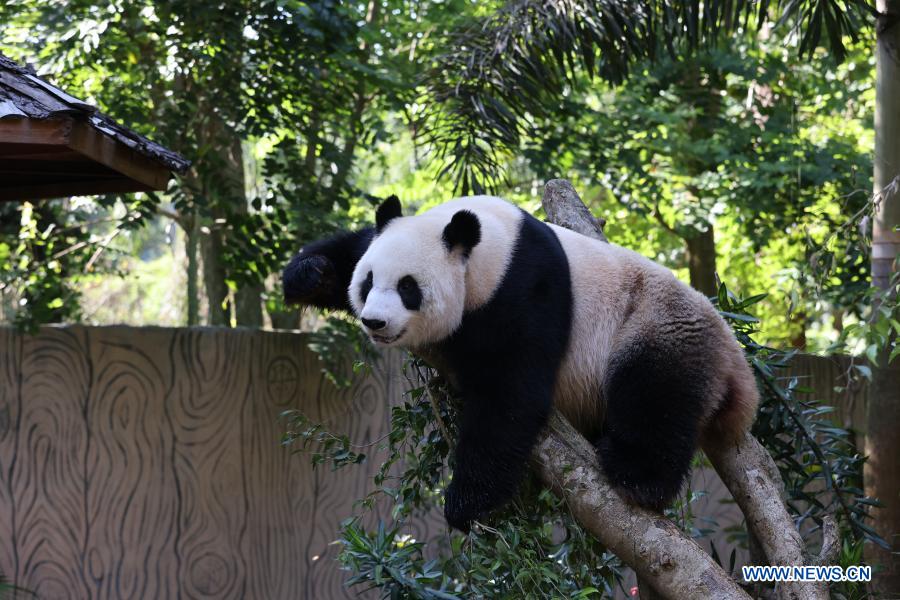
[[53, 144]]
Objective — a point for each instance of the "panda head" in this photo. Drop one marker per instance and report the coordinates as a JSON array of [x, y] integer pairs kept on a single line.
[[409, 288]]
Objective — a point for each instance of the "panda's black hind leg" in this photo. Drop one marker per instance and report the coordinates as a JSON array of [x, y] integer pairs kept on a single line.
[[654, 400]]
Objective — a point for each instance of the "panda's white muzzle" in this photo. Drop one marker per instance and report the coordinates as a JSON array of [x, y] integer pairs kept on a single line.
[[384, 317]]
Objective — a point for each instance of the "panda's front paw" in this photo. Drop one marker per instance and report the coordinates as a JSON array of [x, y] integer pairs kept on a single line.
[[307, 278], [462, 505]]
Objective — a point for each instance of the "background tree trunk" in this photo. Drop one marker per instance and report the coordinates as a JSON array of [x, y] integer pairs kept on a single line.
[[218, 313], [284, 319], [701, 88], [882, 473], [354, 123], [701, 256], [191, 233], [227, 193], [248, 306], [248, 297]]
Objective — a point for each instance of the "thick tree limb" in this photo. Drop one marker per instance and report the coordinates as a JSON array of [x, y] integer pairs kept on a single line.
[[565, 208], [660, 553], [753, 480], [662, 556]]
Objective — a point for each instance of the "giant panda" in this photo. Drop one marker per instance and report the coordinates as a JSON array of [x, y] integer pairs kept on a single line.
[[522, 316]]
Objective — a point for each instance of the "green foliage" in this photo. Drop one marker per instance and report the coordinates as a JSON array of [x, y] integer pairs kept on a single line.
[[273, 101], [388, 561], [769, 150], [530, 545], [418, 446], [303, 435], [299, 115], [46, 247], [338, 342], [851, 554], [874, 332], [877, 334], [503, 70]]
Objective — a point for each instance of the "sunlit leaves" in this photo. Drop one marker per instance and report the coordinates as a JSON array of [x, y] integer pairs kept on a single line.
[[309, 83], [769, 149], [503, 69]]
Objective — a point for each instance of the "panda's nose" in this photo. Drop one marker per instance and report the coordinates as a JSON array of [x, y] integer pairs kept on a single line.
[[374, 324]]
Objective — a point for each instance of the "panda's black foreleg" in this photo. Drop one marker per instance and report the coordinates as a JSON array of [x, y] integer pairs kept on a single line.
[[499, 426], [320, 273], [654, 400]]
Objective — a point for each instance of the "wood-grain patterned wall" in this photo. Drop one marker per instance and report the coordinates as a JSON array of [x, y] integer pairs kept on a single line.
[[145, 463]]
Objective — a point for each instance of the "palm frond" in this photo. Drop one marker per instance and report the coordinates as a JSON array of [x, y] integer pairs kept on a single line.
[[503, 70]]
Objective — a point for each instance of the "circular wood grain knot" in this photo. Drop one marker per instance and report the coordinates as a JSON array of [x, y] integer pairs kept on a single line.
[[282, 380], [210, 575], [53, 588]]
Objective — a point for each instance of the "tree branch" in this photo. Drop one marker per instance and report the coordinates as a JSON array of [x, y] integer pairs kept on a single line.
[[751, 476], [661, 554], [565, 208]]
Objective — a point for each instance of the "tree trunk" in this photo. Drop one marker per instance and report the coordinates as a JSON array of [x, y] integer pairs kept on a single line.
[[798, 338], [882, 471], [700, 87], [248, 297], [354, 123], [661, 555], [248, 306], [228, 194], [214, 279], [284, 319], [191, 233], [701, 256]]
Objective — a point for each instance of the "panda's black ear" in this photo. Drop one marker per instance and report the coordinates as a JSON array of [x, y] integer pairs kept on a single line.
[[463, 232], [386, 212]]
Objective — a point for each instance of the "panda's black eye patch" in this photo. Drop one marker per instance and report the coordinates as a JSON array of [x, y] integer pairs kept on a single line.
[[366, 287], [410, 293]]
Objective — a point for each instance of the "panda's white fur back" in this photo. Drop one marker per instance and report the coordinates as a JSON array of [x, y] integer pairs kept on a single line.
[[603, 280], [620, 297]]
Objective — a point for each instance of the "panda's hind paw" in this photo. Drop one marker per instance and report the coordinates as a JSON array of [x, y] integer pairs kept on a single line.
[[649, 479], [647, 496]]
